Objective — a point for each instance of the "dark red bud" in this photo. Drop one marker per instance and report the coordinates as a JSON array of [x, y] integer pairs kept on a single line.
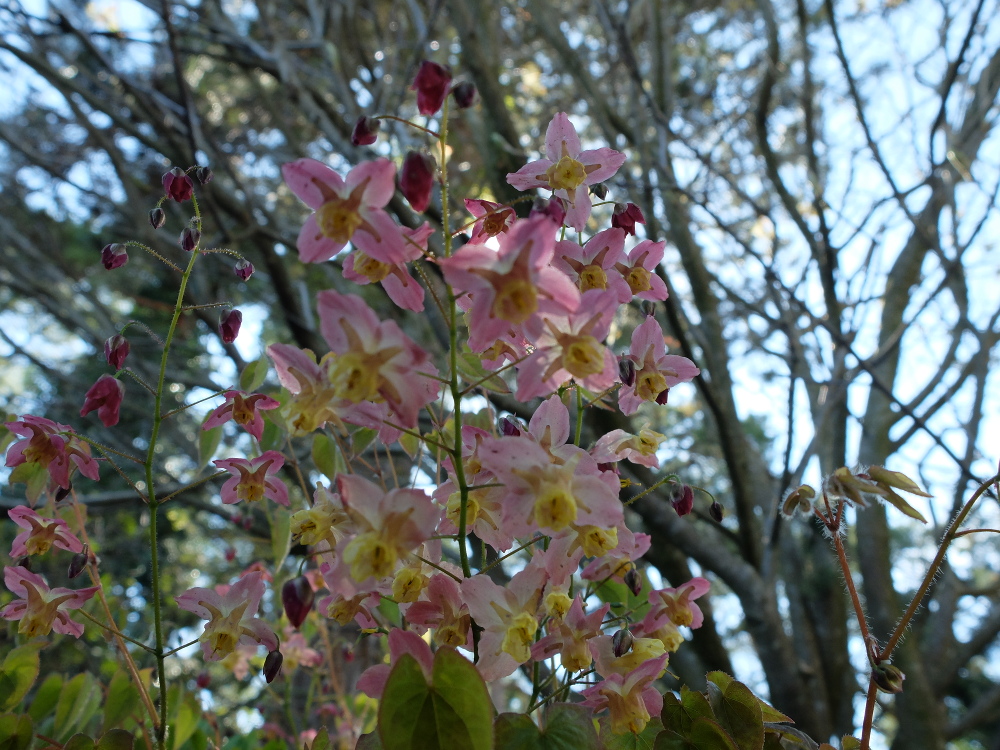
[[626, 371], [177, 185], [297, 596], [157, 218], [416, 180], [599, 191], [116, 350], [229, 326], [888, 678], [24, 562], [78, 563], [114, 256], [348, 654], [365, 131], [682, 498], [63, 492], [189, 239], [204, 175], [272, 665], [508, 428], [621, 642], [633, 579], [661, 397], [431, 85], [465, 94], [230, 554], [716, 511], [203, 680], [626, 216], [243, 268], [554, 208]]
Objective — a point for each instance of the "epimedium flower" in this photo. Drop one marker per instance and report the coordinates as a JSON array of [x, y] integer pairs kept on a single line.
[[365, 131], [47, 455], [442, 608], [106, 397], [595, 264], [619, 445], [631, 699], [244, 409], [568, 170], [395, 278], [232, 616], [570, 636], [41, 534], [625, 216], [116, 350], [491, 219], [253, 479], [114, 256], [325, 521], [638, 269], [431, 85], [372, 681], [677, 604], [41, 609], [346, 209], [655, 370]]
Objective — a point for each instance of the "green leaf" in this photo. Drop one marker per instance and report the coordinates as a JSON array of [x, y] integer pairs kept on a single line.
[[122, 700], [369, 741], [16, 732], [899, 503], [361, 439], [740, 715], [696, 704], [671, 740], [208, 443], [629, 741], [850, 743], [706, 734], [281, 535], [186, 720], [322, 740], [46, 697], [17, 674], [116, 739], [79, 699], [455, 714], [410, 443], [769, 713], [253, 375], [79, 742], [327, 456], [470, 368], [567, 727]]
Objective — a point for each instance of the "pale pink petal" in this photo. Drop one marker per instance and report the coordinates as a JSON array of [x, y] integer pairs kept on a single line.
[[381, 177], [531, 175], [561, 133], [287, 358], [385, 240], [313, 245], [302, 175], [608, 162]]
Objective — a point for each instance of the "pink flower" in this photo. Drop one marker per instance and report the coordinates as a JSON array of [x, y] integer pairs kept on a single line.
[[656, 371], [677, 604], [594, 266], [397, 281], [568, 170], [445, 611], [106, 397], [116, 350], [253, 479], [639, 270], [510, 285], [372, 682], [626, 216], [639, 449], [244, 410], [493, 219], [431, 85], [41, 534], [631, 699], [50, 449], [296, 651], [41, 609], [346, 210], [569, 637], [232, 616]]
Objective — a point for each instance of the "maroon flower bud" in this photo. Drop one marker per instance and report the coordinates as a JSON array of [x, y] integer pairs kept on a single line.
[[365, 131], [600, 191], [157, 218], [78, 563], [348, 654], [621, 642], [229, 326], [682, 498], [626, 216], [661, 397], [464, 93], [203, 680], [204, 175], [272, 665], [416, 180], [297, 596], [633, 579], [888, 678], [626, 371], [243, 268], [431, 85], [554, 208], [63, 492], [247, 523], [716, 511], [189, 239], [177, 185], [648, 308], [116, 350], [106, 397], [609, 466], [114, 256], [24, 562], [508, 428], [230, 554]]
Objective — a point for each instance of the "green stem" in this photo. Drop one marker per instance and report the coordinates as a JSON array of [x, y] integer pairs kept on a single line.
[[579, 416]]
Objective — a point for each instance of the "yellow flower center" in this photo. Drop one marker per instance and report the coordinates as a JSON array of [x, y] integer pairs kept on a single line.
[[567, 174], [649, 385], [638, 280], [519, 637], [555, 508], [583, 357], [369, 556], [454, 509], [371, 269], [557, 604], [338, 219], [597, 541], [494, 224], [356, 378], [407, 585], [593, 277], [515, 301]]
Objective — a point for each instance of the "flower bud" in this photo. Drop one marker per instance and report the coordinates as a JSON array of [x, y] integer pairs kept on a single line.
[[229, 326], [508, 428], [661, 397], [416, 180], [648, 308], [114, 256], [243, 268], [105, 396], [78, 563], [431, 85], [465, 94], [204, 175], [189, 239], [177, 185], [888, 678], [116, 350], [272, 665], [157, 217], [626, 216], [621, 642], [63, 492], [633, 579], [682, 499], [24, 562], [297, 596], [626, 371], [599, 191], [203, 680], [716, 511], [554, 208], [799, 499], [365, 131]]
